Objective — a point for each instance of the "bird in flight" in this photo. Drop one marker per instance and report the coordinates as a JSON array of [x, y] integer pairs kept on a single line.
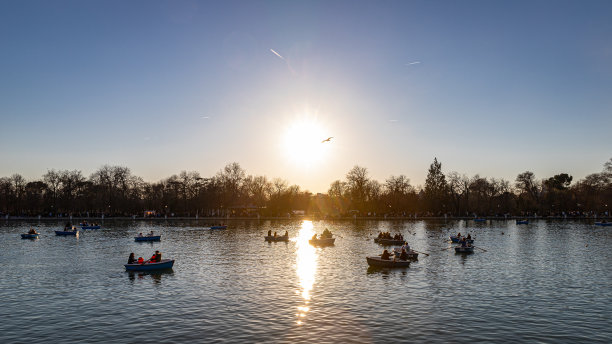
[[327, 139]]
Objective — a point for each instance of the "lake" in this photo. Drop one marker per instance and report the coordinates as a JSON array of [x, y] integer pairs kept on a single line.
[[545, 282]]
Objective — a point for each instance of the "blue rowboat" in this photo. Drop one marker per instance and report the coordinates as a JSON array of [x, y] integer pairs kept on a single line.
[[29, 236], [522, 222], [464, 249], [148, 238], [164, 264], [74, 232], [378, 262], [457, 240], [480, 220], [388, 242], [90, 227], [218, 227], [605, 224]]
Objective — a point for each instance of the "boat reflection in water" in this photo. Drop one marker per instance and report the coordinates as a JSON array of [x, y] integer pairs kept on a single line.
[[306, 267]]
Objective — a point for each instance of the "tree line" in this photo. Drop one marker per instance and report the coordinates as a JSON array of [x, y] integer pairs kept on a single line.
[[115, 191]]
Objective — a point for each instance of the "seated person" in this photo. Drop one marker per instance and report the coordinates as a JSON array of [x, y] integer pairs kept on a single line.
[[403, 255], [469, 237], [385, 255], [314, 237], [32, 231], [270, 233], [140, 260], [153, 258], [140, 235], [131, 258], [157, 256], [286, 233]]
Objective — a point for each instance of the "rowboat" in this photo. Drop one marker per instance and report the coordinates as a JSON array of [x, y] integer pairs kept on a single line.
[[464, 249], [271, 238], [90, 227], [148, 238], [73, 232], [457, 240], [522, 222], [29, 236], [605, 224], [322, 241], [480, 220], [388, 242], [378, 262], [218, 227], [163, 264]]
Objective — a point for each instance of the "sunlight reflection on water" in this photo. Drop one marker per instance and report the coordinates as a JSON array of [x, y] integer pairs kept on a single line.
[[306, 266]]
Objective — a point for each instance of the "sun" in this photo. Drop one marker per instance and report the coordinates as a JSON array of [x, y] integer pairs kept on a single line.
[[302, 142]]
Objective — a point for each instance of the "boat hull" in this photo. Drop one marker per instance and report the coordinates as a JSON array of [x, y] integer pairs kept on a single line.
[[148, 238], [378, 262], [464, 249], [218, 227], [480, 220], [604, 224], [29, 236], [276, 238], [164, 264], [322, 242], [65, 233], [388, 242]]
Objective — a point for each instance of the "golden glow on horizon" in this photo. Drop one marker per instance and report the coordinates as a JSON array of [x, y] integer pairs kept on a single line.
[[306, 267], [302, 142]]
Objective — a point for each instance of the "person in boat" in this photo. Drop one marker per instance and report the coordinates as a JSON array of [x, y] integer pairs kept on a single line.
[[286, 233], [403, 255], [131, 258], [140, 235], [275, 234], [158, 256], [326, 233], [406, 247], [32, 231], [270, 233], [380, 235], [463, 242], [385, 255], [469, 237], [68, 226], [314, 237], [140, 260], [151, 234], [459, 235]]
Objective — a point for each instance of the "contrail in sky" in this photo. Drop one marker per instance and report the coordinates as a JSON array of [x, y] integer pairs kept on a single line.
[[413, 63], [277, 54]]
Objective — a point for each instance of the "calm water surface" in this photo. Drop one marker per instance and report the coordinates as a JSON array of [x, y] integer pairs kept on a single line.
[[546, 282]]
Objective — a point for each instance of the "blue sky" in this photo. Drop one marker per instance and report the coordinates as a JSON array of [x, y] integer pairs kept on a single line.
[[500, 87]]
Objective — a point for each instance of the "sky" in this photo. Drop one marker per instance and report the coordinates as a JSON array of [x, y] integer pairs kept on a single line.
[[488, 87]]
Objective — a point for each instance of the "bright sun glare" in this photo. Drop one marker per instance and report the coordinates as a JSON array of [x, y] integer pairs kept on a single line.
[[302, 143]]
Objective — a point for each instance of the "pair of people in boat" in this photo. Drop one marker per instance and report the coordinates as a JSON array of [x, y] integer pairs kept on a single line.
[[149, 235], [155, 258], [325, 235], [387, 256], [387, 236], [270, 234], [464, 242], [68, 227], [469, 236], [32, 231]]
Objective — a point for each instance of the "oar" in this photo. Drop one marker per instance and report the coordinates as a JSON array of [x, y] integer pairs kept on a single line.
[[427, 254], [480, 248]]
